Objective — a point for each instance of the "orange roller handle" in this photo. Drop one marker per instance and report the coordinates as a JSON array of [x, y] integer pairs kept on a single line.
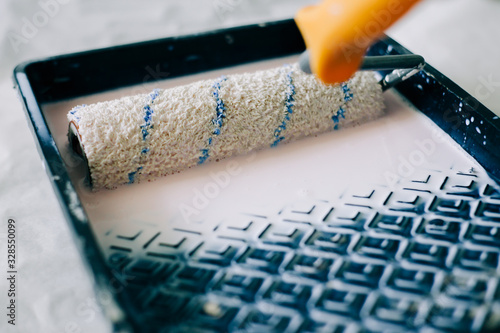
[[337, 33]]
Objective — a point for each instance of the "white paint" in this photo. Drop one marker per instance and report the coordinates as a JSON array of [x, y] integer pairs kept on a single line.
[[74, 206]]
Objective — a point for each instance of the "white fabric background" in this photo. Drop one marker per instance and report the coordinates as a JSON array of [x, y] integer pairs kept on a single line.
[[459, 37]]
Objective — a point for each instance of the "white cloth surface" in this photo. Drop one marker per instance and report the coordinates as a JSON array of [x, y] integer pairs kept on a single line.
[[458, 37]]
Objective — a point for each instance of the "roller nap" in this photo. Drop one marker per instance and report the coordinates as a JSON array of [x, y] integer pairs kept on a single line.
[[143, 137]]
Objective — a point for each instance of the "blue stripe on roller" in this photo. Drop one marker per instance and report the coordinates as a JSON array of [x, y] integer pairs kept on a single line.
[[148, 114], [348, 96], [75, 110], [289, 99], [217, 121], [146, 128], [131, 175]]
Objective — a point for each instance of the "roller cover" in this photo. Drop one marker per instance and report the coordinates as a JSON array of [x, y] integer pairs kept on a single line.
[[143, 137]]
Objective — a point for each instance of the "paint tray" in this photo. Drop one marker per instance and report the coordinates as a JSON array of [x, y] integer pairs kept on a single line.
[[392, 225]]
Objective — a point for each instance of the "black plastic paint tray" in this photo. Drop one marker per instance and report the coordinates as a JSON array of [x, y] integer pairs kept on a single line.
[[390, 226]]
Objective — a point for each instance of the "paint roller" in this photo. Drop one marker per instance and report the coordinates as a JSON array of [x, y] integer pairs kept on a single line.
[[143, 137]]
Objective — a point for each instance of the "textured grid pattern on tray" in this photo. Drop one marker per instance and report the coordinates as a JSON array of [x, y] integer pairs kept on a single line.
[[422, 256]]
